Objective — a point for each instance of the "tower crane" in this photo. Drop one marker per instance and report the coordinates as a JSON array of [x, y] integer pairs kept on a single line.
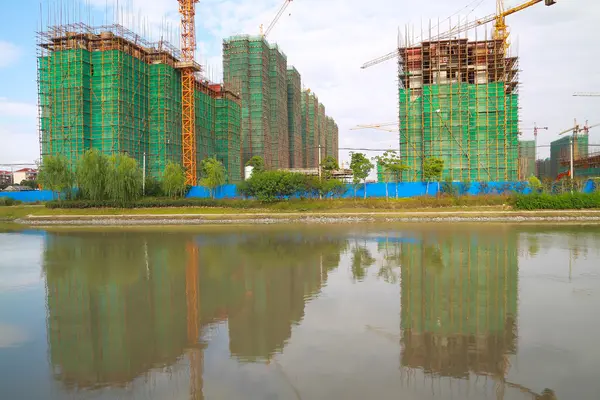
[[535, 130], [286, 3], [385, 126], [500, 31], [576, 129], [188, 67], [586, 94]]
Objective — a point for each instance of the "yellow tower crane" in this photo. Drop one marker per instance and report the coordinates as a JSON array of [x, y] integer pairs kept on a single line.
[[500, 31], [188, 67]]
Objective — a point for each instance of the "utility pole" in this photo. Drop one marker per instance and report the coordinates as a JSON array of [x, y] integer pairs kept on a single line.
[[319, 162], [320, 195], [144, 175], [572, 147], [535, 151]]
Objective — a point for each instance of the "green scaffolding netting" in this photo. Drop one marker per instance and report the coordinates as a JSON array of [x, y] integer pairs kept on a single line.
[[473, 128], [294, 92], [117, 103]]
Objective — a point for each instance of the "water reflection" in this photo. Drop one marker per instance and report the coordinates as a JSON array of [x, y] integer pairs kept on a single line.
[[125, 304], [459, 304], [121, 303]]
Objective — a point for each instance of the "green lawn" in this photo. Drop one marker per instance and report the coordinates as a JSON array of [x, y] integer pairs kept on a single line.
[[9, 213]]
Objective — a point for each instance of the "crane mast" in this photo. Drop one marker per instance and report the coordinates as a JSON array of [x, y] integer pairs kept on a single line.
[[188, 67]]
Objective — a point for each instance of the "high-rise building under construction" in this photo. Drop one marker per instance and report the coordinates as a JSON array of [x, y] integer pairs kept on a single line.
[[109, 89], [277, 116], [458, 102]]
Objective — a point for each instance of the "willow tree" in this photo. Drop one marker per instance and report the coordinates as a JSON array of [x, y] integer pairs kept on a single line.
[[173, 180], [92, 175], [124, 179], [213, 174], [56, 175]]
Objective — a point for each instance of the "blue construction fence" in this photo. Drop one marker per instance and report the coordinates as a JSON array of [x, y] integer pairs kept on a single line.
[[405, 189], [374, 190], [30, 196]]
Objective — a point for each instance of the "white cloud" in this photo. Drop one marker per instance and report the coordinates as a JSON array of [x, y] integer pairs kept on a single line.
[[10, 54], [16, 109], [18, 132], [327, 41]]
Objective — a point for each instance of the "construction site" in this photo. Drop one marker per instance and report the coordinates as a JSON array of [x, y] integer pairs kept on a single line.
[[458, 100], [110, 89], [281, 123]]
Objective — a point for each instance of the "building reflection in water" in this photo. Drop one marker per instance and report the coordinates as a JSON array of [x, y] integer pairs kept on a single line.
[[459, 304], [121, 304], [459, 301]]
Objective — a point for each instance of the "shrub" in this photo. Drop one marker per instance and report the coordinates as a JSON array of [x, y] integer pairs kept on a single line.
[[564, 201], [153, 188], [9, 201], [535, 184], [270, 186], [150, 202]]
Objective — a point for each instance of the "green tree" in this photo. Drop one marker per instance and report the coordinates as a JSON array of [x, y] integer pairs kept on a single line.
[[92, 173], [33, 184], [213, 174], [257, 163], [153, 188], [361, 167], [332, 188], [535, 184], [271, 186], [173, 180], [329, 165], [124, 179], [432, 171], [56, 175], [392, 168]]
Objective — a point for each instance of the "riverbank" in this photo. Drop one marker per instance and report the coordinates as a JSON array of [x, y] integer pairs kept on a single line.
[[310, 218]]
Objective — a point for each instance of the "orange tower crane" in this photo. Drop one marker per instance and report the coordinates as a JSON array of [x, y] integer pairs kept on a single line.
[[188, 67]]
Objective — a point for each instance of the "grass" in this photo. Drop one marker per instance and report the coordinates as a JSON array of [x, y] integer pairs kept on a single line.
[[9, 213], [429, 206]]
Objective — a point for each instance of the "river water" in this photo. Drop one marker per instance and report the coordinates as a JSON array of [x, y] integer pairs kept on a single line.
[[424, 311]]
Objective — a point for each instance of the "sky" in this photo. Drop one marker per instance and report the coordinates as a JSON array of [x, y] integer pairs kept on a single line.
[[327, 41]]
